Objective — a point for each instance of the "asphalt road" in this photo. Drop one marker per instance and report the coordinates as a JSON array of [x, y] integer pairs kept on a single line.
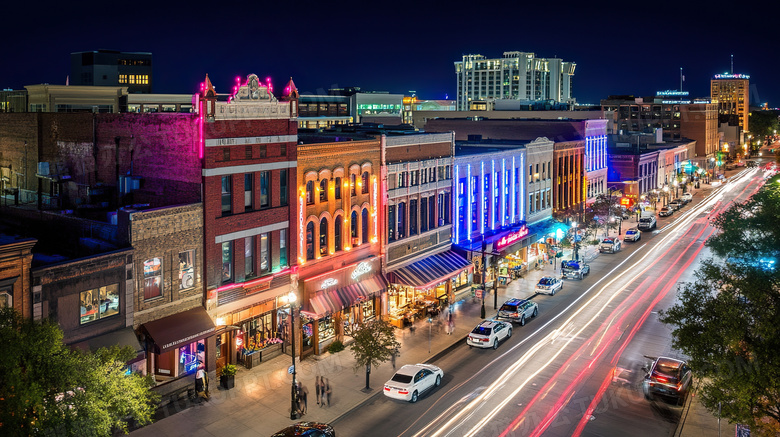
[[577, 368]]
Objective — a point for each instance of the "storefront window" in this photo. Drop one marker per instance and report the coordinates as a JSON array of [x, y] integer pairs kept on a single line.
[[190, 356], [186, 269], [327, 328], [369, 310], [152, 278], [99, 303]]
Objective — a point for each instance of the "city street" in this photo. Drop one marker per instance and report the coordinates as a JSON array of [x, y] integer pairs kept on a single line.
[[576, 368]]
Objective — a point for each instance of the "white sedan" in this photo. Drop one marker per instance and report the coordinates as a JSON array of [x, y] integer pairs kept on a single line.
[[549, 285], [489, 333], [411, 380]]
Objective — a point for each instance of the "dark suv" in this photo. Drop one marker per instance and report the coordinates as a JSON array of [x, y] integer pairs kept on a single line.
[[667, 377]]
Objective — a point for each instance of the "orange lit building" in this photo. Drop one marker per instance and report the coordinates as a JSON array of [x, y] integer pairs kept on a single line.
[[730, 92]]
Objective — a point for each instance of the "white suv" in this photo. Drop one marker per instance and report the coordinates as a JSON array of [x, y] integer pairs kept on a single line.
[[489, 333], [686, 197]]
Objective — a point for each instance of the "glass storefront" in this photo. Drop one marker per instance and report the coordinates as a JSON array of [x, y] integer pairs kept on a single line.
[[326, 328]]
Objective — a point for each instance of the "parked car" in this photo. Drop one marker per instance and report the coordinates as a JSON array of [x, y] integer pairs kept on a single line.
[[548, 285], [686, 197], [488, 333], [518, 310], [665, 211], [667, 377], [609, 244], [411, 380], [647, 223], [675, 204], [574, 269], [633, 234], [308, 429]]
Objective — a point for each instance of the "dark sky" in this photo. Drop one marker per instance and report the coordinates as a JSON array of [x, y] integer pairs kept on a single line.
[[400, 46]]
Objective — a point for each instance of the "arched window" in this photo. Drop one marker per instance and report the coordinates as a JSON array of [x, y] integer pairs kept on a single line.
[[323, 236], [337, 225], [310, 193], [354, 228], [364, 225], [324, 190], [364, 181], [310, 240], [352, 185]]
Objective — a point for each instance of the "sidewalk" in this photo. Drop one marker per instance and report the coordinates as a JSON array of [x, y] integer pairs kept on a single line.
[[696, 421], [259, 404]]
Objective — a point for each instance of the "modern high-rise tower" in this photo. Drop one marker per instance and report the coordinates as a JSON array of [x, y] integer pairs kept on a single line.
[[730, 92], [514, 76]]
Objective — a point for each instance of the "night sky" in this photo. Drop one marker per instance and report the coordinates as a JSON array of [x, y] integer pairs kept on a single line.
[[400, 46]]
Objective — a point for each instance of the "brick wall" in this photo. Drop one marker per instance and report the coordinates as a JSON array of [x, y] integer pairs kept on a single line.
[[15, 262]]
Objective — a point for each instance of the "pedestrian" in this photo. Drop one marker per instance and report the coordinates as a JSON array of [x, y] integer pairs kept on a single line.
[[202, 383], [304, 399], [392, 357], [328, 390], [322, 392], [317, 388]]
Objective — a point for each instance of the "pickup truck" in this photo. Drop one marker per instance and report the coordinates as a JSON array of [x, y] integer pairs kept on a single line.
[[574, 269]]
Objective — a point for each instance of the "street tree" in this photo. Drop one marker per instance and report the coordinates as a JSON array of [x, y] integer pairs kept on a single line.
[[727, 319], [375, 343], [47, 388]]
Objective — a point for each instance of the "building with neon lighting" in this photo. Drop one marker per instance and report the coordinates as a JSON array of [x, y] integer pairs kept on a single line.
[[338, 203], [248, 149], [516, 75], [731, 92]]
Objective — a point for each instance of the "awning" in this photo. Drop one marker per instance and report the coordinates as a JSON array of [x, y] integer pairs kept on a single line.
[[336, 300], [430, 271], [121, 338], [179, 329], [543, 229]]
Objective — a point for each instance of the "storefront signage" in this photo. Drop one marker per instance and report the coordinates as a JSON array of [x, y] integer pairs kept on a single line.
[[509, 239], [262, 286], [361, 269], [328, 283]]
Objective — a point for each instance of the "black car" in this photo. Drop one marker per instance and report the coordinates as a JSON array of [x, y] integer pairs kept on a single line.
[[308, 429], [667, 377]]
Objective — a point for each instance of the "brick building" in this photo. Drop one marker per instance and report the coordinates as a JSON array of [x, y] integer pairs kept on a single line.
[[248, 149], [340, 270], [15, 262]]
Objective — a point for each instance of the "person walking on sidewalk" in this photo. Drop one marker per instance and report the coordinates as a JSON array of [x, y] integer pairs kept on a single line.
[[304, 399], [328, 390], [322, 391], [317, 388]]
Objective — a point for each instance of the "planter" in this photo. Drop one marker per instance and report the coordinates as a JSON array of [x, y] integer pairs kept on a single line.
[[265, 354], [227, 382]]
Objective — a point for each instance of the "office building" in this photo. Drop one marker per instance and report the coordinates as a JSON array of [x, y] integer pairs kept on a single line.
[[112, 68], [730, 93]]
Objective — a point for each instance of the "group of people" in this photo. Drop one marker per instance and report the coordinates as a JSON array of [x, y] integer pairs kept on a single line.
[[322, 389]]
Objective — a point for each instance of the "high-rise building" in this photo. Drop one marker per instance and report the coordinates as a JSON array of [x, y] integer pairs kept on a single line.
[[514, 76], [730, 92], [112, 68]]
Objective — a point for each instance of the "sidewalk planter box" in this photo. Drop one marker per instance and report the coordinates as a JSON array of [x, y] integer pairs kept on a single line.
[[227, 382], [253, 359]]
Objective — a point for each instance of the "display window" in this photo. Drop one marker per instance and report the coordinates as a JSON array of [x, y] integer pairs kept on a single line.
[[326, 328], [99, 303], [369, 309], [190, 356]]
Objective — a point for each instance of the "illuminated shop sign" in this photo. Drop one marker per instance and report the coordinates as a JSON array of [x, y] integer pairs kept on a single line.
[[732, 76], [506, 240], [361, 269], [671, 93], [328, 283]]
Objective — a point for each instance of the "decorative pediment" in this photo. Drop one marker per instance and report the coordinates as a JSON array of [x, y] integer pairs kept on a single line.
[[253, 91]]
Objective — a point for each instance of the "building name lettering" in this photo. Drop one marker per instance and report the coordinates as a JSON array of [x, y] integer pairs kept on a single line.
[[506, 240], [360, 270]]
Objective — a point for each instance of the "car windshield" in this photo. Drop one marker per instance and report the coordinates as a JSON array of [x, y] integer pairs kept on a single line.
[[546, 281], [644, 220], [400, 377], [667, 367], [482, 330], [570, 265], [607, 241], [509, 307], [630, 232]]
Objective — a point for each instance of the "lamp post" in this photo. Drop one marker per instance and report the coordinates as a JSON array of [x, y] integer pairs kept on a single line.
[[676, 184], [666, 195], [291, 298], [576, 254]]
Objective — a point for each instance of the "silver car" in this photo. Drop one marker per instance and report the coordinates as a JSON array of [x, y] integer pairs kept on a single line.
[[518, 310], [549, 285]]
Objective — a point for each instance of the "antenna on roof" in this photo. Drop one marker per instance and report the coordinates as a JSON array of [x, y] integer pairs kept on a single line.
[[732, 64]]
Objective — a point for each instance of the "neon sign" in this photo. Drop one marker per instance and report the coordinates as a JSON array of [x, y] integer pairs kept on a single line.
[[328, 283], [373, 209], [506, 240], [732, 76], [360, 270]]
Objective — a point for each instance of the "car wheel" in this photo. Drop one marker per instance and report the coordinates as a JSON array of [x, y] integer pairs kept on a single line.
[[536, 312], [495, 344], [522, 320], [552, 292], [414, 397], [681, 399], [509, 333], [438, 380]]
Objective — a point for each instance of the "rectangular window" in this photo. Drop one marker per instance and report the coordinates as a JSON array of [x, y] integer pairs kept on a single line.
[[248, 152], [227, 262], [248, 191], [265, 198], [186, 269], [283, 187], [402, 179], [337, 189], [249, 257], [263, 151], [424, 176], [413, 217], [99, 303], [391, 223], [226, 154], [265, 262], [152, 278], [392, 181], [227, 206], [283, 150], [431, 212], [423, 214], [283, 248]]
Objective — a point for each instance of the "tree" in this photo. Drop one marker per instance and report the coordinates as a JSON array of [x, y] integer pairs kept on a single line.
[[48, 388], [374, 344], [727, 319], [763, 123]]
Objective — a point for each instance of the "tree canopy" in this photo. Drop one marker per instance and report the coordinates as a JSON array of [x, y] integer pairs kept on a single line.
[[375, 343], [47, 388], [727, 319]]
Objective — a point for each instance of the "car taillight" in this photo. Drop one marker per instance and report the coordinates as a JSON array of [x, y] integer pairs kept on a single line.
[[484, 339], [662, 379], [387, 388], [403, 392]]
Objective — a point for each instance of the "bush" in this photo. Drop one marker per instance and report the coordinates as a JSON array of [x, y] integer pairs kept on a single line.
[[336, 346], [229, 370]]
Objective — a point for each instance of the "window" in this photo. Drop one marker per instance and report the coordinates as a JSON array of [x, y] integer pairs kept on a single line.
[[227, 206], [152, 278], [403, 179], [413, 217], [424, 176], [263, 151], [324, 190], [337, 225], [401, 220], [323, 237], [249, 256], [283, 187], [248, 182], [415, 178], [283, 248], [226, 154], [353, 186], [265, 262], [99, 303], [364, 182], [310, 193], [392, 181], [248, 152], [354, 229], [265, 198], [337, 189], [423, 214], [432, 212], [391, 223], [6, 299], [227, 262], [186, 269], [283, 150], [310, 241], [364, 225]]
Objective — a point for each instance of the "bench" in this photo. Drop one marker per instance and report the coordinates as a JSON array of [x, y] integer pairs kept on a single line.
[[175, 395]]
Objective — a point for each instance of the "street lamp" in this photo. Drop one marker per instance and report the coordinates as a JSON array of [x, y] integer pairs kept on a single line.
[[576, 254], [666, 195], [675, 188], [291, 298]]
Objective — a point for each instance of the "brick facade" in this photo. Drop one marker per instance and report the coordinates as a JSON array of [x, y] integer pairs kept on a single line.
[[15, 262]]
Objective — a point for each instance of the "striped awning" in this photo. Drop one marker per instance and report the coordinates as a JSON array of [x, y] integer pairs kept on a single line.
[[336, 300], [430, 271]]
